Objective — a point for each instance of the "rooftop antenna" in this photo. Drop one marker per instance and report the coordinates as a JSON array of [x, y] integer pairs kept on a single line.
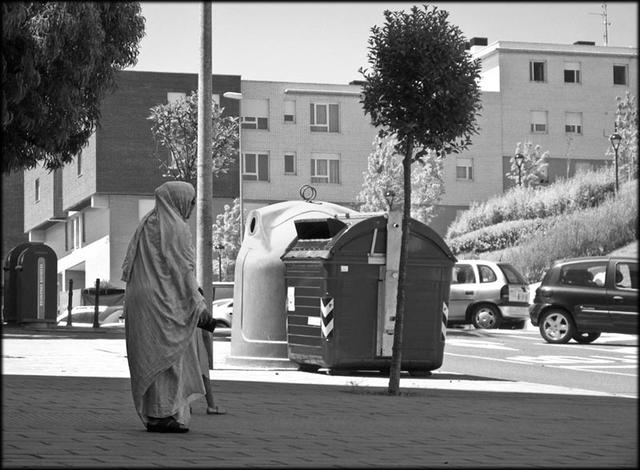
[[605, 22]]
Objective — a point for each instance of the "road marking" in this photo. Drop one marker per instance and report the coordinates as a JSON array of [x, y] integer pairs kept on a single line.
[[510, 361], [471, 343]]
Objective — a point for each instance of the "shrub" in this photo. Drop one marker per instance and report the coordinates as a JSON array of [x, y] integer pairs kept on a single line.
[[587, 189], [499, 236], [589, 232]]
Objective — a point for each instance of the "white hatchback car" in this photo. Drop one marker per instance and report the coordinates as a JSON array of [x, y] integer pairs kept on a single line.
[[222, 311], [488, 295]]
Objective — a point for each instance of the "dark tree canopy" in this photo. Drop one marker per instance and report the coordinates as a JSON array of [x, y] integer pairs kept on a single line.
[[422, 84], [59, 59]]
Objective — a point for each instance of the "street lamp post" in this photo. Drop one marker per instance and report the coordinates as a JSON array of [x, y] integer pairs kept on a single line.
[[219, 247], [232, 95], [615, 140], [519, 161]]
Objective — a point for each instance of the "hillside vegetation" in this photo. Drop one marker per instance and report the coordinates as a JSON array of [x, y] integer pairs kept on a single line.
[[532, 228]]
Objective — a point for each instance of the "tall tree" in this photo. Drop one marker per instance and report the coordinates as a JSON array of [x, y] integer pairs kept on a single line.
[[423, 88], [174, 127], [59, 60], [226, 237], [534, 169], [383, 178], [627, 126]]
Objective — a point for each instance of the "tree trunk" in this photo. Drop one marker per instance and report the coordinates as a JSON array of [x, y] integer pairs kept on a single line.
[[396, 352], [204, 201]]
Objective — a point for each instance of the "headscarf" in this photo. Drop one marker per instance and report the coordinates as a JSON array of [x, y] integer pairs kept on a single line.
[[173, 205]]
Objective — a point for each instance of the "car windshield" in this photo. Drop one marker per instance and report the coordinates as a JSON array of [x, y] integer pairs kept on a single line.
[[513, 276]]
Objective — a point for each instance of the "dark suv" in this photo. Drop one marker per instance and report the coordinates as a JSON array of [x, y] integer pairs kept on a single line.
[[583, 297]]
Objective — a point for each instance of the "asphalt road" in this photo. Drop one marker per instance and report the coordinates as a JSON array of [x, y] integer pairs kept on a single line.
[[610, 364], [496, 360]]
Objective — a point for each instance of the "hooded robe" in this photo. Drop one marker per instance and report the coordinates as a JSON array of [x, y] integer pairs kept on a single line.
[[162, 306]]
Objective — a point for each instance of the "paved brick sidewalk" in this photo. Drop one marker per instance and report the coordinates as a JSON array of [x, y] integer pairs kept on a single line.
[[53, 421]]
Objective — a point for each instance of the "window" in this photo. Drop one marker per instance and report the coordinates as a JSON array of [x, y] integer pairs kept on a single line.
[[74, 233], [290, 111], [290, 163], [486, 274], [626, 275], [464, 169], [37, 189], [256, 167], [572, 72], [537, 71], [255, 114], [173, 96], [619, 74], [324, 117], [573, 123], [538, 122], [584, 274], [463, 274], [325, 168], [79, 162]]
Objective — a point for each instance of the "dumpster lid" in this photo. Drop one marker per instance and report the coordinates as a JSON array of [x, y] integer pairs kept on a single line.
[[319, 238]]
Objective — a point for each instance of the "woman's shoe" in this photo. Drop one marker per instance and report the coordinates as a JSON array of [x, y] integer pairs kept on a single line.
[[168, 424]]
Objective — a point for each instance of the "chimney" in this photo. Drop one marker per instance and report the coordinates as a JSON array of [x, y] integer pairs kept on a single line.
[[475, 44]]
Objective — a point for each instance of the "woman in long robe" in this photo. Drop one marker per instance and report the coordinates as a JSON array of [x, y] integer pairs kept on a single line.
[[162, 307]]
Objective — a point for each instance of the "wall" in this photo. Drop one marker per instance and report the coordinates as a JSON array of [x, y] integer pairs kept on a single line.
[[12, 212], [353, 143], [126, 163]]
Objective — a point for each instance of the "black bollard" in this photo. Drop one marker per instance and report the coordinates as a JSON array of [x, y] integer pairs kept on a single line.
[[70, 303], [96, 323]]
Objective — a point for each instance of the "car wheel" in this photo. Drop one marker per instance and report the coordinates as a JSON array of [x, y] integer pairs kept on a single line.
[[586, 338], [486, 316], [556, 326]]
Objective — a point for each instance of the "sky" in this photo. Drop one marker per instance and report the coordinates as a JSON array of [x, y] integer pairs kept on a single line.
[[327, 42]]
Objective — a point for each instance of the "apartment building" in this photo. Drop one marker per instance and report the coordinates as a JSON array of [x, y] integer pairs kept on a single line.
[[561, 97], [303, 133], [88, 210]]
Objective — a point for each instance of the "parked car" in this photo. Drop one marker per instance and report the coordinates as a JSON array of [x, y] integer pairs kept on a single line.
[[222, 311], [488, 295], [82, 316], [581, 298]]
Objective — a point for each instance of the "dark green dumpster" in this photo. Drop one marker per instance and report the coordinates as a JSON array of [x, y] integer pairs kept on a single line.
[[33, 292], [335, 275]]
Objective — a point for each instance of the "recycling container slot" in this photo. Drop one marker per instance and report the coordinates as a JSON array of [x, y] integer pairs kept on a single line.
[[318, 229]]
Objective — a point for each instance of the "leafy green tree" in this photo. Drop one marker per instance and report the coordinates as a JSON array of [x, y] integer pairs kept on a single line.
[[626, 124], [535, 166], [175, 130], [382, 187], [423, 88], [59, 60], [226, 237]]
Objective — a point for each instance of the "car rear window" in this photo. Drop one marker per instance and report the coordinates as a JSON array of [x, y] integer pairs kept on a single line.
[[591, 274], [513, 276]]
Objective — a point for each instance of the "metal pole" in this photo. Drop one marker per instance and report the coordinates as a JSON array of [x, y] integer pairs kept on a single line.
[[615, 149], [519, 175], [96, 323], [70, 302], [204, 201]]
